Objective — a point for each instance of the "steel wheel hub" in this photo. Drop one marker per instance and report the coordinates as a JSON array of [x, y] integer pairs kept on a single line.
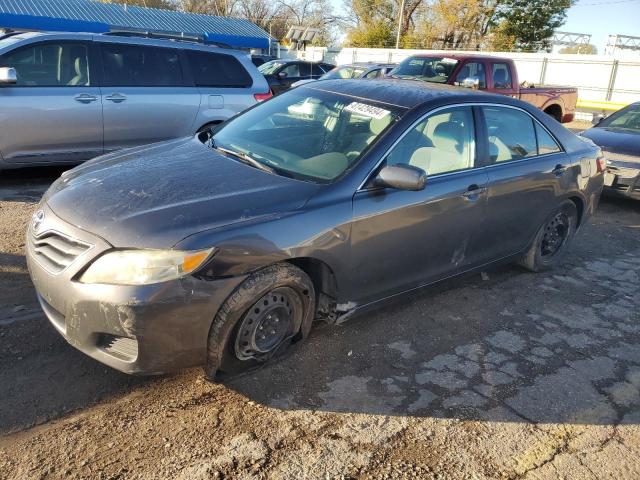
[[267, 323], [555, 233]]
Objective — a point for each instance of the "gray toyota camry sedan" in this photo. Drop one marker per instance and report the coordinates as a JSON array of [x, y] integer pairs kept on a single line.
[[222, 249]]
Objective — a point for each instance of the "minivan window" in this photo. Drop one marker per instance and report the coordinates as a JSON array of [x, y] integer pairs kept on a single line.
[[217, 70], [511, 134], [141, 66], [50, 65]]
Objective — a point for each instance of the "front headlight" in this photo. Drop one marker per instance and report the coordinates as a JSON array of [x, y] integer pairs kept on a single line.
[[144, 267]]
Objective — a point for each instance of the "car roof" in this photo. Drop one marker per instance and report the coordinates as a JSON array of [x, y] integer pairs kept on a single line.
[[458, 56], [125, 39], [405, 93]]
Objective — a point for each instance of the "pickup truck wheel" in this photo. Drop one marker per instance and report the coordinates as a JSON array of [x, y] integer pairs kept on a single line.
[[552, 239], [268, 313]]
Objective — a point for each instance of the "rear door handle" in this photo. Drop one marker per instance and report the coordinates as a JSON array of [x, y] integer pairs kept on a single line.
[[473, 191], [116, 98], [85, 98], [559, 170]]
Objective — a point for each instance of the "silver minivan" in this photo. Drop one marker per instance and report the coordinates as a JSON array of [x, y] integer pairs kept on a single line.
[[68, 97]]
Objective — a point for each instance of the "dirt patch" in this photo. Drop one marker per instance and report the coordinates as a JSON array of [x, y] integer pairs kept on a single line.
[[504, 375]]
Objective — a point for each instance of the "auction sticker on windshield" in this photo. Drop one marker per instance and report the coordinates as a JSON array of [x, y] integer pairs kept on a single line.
[[367, 110]]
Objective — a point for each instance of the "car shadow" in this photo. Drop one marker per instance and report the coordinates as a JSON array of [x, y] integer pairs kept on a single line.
[[27, 184], [555, 347]]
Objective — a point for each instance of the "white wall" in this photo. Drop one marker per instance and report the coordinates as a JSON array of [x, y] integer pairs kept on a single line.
[[593, 75]]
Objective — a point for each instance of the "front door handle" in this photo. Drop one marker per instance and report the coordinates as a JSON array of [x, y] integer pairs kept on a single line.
[[85, 98], [116, 98], [473, 191], [559, 170]]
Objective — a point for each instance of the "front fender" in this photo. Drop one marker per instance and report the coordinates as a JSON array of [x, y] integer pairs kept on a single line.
[[321, 233]]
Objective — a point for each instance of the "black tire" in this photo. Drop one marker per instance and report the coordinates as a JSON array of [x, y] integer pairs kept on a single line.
[[234, 344], [553, 238]]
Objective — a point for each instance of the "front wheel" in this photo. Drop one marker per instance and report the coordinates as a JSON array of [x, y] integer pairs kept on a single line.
[[552, 239], [269, 312]]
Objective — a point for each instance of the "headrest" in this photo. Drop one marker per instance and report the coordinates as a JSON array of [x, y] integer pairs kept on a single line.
[[79, 65], [377, 125], [448, 136], [499, 76]]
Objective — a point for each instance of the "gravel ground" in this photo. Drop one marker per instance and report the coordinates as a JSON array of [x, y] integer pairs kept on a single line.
[[502, 375]]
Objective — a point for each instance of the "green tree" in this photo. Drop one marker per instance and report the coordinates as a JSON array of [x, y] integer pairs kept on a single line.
[[531, 22], [373, 34]]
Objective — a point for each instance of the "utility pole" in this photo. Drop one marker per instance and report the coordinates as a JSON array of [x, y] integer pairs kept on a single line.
[[399, 24]]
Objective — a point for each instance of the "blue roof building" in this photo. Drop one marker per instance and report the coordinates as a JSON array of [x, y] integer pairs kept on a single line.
[[98, 17]]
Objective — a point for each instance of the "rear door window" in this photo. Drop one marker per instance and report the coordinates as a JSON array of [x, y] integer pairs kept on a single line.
[[217, 70], [511, 133], [141, 66], [50, 64], [514, 134]]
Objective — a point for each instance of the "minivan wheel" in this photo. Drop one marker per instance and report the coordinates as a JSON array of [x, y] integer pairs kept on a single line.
[[268, 313], [552, 239]]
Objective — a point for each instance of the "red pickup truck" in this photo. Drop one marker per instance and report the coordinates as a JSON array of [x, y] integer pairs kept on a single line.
[[493, 74]]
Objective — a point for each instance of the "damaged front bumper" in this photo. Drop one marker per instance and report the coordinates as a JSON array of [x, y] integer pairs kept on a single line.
[[148, 329], [623, 177]]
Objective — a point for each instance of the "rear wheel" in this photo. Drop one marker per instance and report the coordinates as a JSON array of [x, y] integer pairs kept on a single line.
[[552, 239], [262, 319]]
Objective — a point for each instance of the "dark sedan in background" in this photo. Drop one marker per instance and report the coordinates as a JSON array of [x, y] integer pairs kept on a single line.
[[369, 70], [221, 249], [619, 137], [280, 74]]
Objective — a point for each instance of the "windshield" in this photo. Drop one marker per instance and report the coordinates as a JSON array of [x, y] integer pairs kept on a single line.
[[627, 119], [428, 69], [343, 72], [269, 68], [305, 133]]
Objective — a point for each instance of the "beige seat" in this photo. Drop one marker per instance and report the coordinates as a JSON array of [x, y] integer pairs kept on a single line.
[[326, 165], [448, 153], [360, 141]]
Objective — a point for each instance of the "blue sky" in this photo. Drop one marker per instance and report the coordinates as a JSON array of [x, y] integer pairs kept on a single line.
[[597, 17], [601, 18]]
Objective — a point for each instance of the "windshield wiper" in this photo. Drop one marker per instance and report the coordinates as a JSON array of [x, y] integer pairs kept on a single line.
[[246, 159]]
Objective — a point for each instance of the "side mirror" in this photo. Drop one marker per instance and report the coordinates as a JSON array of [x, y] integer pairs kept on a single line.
[[471, 82], [401, 177], [597, 119], [8, 76], [282, 75]]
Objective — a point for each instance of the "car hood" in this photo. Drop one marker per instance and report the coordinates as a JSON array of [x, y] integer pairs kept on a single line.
[[614, 140], [154, 196]]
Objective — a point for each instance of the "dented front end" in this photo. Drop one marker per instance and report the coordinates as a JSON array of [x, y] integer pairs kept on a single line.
[[146, 329]]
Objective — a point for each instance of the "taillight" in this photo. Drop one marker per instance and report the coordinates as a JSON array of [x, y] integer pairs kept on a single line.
[[601, 164], [261, 97]]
